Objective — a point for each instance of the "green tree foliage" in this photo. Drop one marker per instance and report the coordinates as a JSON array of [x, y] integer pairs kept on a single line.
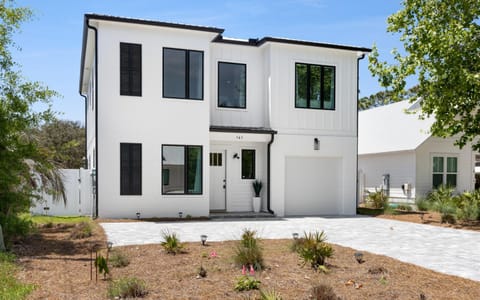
[[65, 140], [26, 170], [383, 98], [441, 40]]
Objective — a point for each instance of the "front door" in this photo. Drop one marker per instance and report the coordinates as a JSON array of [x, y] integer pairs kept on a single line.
[[218, 183]]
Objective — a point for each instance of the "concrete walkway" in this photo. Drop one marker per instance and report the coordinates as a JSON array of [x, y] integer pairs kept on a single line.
[[450, 251]]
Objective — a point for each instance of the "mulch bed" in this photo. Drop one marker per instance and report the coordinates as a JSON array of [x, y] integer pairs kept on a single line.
[[60, 268], [431, 218]]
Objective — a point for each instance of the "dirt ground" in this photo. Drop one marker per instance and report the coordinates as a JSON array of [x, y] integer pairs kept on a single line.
[[60, 269], [431, 218]]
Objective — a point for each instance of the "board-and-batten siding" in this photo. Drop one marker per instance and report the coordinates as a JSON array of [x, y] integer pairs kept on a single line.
[[286, 118], [400, 166]]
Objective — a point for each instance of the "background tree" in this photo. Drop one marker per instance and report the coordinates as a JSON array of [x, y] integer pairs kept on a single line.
[[441, 40], [65, 140], [384, 98], [26, 169]]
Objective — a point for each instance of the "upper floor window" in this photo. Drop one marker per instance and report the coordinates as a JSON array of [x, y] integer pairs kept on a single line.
[[130, 69], [444, 171], [232, 85], [182, 74], [130, 169], [314, 86]]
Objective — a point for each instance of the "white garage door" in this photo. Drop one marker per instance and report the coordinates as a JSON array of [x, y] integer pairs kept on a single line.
[[313, 186]]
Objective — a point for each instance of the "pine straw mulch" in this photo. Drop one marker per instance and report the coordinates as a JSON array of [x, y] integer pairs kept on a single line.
[[60, 269], [431, 218]]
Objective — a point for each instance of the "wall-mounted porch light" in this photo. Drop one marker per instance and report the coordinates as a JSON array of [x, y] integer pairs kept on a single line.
[[236, 156], [316, 144]]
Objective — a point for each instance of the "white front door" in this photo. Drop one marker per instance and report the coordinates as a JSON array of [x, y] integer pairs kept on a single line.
[[218, 183]]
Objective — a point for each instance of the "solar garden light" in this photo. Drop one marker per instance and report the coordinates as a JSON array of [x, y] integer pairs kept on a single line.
[[180, 214], [138, 216], [109, 246], [203, 238], [359, 257], [295, 235]]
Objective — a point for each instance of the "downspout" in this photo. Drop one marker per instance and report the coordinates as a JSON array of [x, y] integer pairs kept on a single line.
[[359, 57], [96, 113], [85, 124], [272, 137]]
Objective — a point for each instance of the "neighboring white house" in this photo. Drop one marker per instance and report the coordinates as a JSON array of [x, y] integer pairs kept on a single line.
[[181, 119], [396, 151]]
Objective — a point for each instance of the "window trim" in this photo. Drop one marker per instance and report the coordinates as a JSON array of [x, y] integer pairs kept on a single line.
[[445, 172], [218, 85], [321, 86], [122, 193], [187, 73], [254, 164], [131, 93], [185, 156]]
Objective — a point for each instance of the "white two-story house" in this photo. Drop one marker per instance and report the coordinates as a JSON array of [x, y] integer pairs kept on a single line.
[[182, 119]]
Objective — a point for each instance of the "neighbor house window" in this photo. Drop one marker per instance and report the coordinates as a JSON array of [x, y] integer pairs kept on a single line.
[[444, 171], [232, 85], [182, 74], [130, 169], [183, 164], [248, 164], [314, 86], [130, 69]]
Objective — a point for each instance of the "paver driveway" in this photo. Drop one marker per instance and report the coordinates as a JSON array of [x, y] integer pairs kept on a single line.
[[450, 251]]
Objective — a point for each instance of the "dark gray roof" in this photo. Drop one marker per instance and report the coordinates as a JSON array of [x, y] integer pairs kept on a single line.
[[239, 129]]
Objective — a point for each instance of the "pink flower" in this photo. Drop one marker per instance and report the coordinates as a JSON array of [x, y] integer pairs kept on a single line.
[[252, 271], [213, 254], [244, 270]]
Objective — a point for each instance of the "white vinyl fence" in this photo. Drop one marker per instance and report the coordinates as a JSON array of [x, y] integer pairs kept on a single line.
[[79, 202]]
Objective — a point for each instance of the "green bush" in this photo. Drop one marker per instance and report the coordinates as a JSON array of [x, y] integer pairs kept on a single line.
[[468, 206], [249, 251], [441, 200], [270, 295], [247, 283], [81, 230], [171, 243], [10, 287], [323, 292], [404, 207], [14, 227], [422, 204], [377, 199], [129, 287], [117, 259], [313, 250]]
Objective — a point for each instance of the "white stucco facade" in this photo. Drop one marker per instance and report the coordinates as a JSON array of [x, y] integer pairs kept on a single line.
[[269, 124]]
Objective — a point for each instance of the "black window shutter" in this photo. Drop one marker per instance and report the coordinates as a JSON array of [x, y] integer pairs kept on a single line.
[[130, 169], [130, 69]]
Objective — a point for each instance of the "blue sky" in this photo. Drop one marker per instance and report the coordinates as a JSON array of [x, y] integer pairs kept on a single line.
[[51, 42]]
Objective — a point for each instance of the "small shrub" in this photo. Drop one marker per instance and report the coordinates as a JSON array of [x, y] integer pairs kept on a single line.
[[247, 283], [102, 266], [422, 204], [118, 259], [14, 226], [468, 206], [441, 200], [249, 251], [129, 287], [270, 295], [312, 249], [377, 199], [404, 207], [323, 292], [171, 243], [81, 231]]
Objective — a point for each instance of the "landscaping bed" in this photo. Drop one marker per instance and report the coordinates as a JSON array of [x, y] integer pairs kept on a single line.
[[59, 266]]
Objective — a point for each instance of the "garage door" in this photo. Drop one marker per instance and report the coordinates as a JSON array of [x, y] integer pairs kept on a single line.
[[313, 186]]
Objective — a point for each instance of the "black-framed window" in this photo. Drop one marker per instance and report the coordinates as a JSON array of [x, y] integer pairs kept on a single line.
[[232, 85], [130, 69], [248, 164], [182, 74], [130, 169], [184, 165], [444, 171], [314, 86]]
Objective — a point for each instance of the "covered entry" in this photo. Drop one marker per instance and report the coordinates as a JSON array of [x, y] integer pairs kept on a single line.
[[313, 186]]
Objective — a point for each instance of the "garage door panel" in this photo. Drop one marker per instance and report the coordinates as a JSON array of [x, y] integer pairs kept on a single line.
[[312, 186]]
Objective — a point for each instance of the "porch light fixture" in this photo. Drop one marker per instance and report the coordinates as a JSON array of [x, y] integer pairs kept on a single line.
[[316, 144], [203, 238], [180, 214], [138, 216], [295, 235], [236, 156]]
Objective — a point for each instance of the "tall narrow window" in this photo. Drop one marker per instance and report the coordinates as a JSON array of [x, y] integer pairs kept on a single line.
[[130, 69], [248, 164], [314, 86], [232, 85], [182, 74], [183, 167], [130, 169]]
